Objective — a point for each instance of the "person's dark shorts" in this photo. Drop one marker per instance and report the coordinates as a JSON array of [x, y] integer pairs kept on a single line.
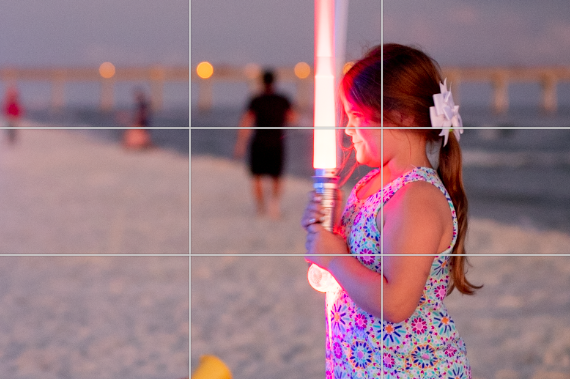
[[266, 160]]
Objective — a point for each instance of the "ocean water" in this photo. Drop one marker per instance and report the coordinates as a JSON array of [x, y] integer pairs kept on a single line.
[[100, 122], [512, 175]]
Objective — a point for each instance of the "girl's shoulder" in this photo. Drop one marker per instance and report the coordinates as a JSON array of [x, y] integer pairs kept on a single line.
[[426, 174], [420, 177], [420, 209], [420, 192], [423, 188]]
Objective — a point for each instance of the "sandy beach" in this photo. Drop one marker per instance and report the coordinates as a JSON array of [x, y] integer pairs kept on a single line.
[[260, 316], [92, 317], [67, 192]]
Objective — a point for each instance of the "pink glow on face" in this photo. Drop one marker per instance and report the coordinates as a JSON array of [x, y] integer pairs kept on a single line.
[[324, 155], [366, 135]]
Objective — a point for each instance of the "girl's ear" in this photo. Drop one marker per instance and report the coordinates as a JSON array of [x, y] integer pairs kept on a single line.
[[400, 118], [403, 119]]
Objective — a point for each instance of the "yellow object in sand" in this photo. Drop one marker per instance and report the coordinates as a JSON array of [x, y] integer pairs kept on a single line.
[[211, 367]]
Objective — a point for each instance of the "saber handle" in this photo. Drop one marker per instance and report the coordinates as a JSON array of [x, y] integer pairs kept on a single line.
[[325, 183]]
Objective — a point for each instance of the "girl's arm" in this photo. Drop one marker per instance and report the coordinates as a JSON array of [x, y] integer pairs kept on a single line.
[[415, 223]]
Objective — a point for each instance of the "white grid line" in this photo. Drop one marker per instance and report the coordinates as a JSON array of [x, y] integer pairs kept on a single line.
[[94, 255], [373, 255], [382, 189], [189, 194], [342, 128], [96, 128]]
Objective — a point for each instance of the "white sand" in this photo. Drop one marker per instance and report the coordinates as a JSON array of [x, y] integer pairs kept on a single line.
[[92, 317], [261, 317], [66, 192]]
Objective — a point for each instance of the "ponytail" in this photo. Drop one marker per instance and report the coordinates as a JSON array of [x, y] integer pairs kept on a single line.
[[450, 173]]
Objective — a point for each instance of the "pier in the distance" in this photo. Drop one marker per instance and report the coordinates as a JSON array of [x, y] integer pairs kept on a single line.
[[499, 77], [106, 74]]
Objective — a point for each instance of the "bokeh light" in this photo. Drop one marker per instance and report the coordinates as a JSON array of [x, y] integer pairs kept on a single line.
[[205, 70], [347, 66], [302, 70], [107, 70]]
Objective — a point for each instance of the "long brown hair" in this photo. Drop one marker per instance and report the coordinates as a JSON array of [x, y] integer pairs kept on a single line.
[[411, 78]]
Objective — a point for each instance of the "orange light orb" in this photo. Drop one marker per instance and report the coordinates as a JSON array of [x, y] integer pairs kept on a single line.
[[107, 70], [205, 70], [302, 70], [347, 66]]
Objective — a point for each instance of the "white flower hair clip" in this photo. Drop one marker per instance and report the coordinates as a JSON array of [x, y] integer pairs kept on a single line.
[[445, 114]]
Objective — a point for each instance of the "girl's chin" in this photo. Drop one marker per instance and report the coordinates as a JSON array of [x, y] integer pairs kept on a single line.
[[361, 160], [367, 162]]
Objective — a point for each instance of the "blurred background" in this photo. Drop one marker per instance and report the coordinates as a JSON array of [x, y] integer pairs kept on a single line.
[[509, 67], [456, 34], [91, 192], [81, 65], [93, 66]]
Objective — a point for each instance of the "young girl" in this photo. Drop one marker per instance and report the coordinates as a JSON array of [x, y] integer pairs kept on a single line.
[[388, 317]]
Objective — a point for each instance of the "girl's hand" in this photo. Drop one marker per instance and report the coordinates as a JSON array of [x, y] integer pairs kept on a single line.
[[314, 211], [321, 241]]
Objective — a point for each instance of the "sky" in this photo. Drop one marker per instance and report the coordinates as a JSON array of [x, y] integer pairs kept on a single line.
[[454, 32], [483, 32], [84, 32], [271, 32]]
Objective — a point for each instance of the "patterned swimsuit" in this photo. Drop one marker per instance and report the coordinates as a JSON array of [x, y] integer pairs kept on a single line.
[[426, 345]]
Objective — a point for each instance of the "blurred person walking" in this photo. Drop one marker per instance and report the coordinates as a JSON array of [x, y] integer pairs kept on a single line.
[[13, 112], [139, 138], [261, 128]]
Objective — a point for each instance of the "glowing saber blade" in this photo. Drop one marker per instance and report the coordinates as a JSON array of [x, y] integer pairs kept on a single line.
[[324, 155]]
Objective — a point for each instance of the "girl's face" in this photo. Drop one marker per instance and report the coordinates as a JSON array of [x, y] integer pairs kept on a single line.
[[366, 135]]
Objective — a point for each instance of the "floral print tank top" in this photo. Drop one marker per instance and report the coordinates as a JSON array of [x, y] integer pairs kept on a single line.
[[360, 345]]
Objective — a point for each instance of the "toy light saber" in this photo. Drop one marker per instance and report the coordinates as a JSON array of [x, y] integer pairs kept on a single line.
[[324, 155]]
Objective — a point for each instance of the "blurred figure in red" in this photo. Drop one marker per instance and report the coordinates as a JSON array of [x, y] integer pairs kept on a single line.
[[139, 138], [13, 112]]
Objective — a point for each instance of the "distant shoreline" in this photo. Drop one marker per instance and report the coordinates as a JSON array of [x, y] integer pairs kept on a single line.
[[91, 117], [473, 116]]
